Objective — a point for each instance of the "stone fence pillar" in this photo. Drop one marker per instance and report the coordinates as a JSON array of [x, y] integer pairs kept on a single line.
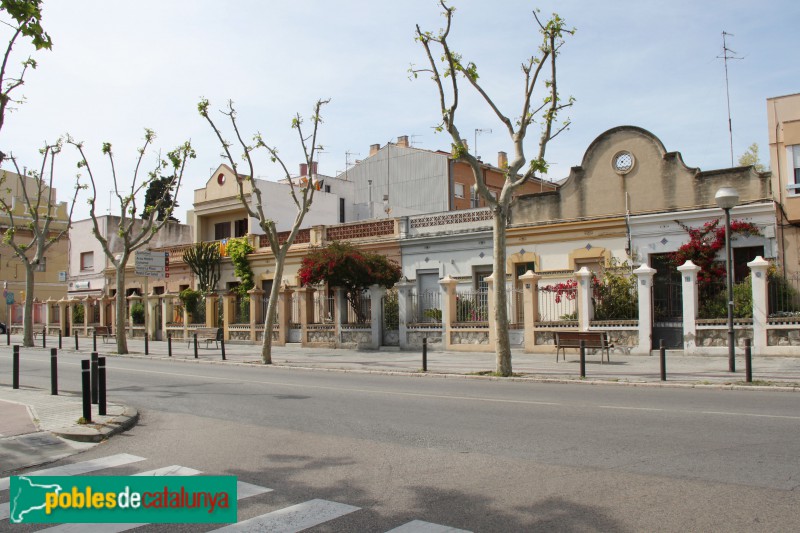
[[257, 311], [530, 309], [644, 285], [758, 269], [376, 294], [585, 309], [689, 272], [306, 303], [448, 285], [211, 310], [404, 288]]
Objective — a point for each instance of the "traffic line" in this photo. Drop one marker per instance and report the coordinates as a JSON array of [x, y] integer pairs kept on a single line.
[[294, 518], [84, 467], [418, 526]]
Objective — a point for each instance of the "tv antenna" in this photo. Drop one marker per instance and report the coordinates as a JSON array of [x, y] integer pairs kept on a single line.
[[477, 131], [411, 139], [727, 54]]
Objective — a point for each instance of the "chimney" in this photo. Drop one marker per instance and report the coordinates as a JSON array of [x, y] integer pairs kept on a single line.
[[314, 168], [502, 160], [303, 169], [373, 149], [402, 140]]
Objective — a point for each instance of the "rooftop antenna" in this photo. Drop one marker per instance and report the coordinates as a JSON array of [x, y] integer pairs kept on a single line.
[[411, 139], [347, 155], [477, 131], [727, 54]]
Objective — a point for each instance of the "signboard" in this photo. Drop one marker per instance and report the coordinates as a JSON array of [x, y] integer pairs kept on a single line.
[[152, 264], [9, 298]]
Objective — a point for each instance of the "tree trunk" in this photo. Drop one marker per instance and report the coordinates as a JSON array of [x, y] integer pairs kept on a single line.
[[120, 314], [27, 316], [502, 344], [266, 347]]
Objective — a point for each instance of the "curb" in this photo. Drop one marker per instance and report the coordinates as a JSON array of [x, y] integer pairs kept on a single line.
[[100, 432]]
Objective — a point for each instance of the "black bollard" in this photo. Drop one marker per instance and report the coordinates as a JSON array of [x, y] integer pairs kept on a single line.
[[44, 337], [76, 341], [15, 367], [146, 344], [94, 341], [59, 339], [86, 389], [222, 344], [169, 343], [53, 372], [583, 359], [424, 354], [748, 361], [195, 345], [101, 367], [8, 333], [662, 354], [95, 377]]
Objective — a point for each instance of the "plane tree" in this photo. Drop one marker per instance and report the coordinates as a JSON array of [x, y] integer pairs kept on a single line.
[[449, 70]]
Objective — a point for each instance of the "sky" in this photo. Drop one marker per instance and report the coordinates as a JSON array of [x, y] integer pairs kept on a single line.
[[117, 68]]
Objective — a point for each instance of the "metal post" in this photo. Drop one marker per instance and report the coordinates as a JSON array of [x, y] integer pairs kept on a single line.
[[748, 361], [44, 337], [86, 389], [195, 345], [59, 339], [101, 366], [169, 343], [15, 367], [95, 377], [76, 341], [583, 359], [222, 344], [53, 372], [94, 341], [729, 268], [146, 344], [8, 332], [424, 354], [662, 352]]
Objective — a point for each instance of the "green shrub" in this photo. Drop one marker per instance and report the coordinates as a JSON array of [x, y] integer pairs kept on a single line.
[[137, 313]]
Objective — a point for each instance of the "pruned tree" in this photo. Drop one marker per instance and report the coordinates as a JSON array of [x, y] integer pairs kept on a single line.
[[301, 194], [204, 261], [34, 221], [133, 233], [159, 190], [447, 68], [341, 264], [24, 18]]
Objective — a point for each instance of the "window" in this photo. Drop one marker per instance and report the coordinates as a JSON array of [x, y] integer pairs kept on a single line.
[[341, 210], [479, 278], [87, 261], [793, 161], [459, 190], [222, 230], [240, 227], [327, 188]]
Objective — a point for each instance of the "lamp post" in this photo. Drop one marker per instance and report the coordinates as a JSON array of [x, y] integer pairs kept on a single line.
[[727, 198]]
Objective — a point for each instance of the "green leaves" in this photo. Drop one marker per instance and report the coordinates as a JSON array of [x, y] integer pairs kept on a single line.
[[28, 16], [202, 107]]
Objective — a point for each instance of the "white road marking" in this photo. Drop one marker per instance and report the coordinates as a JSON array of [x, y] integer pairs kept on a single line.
[[84, 467], [294, 518], [418, 526]]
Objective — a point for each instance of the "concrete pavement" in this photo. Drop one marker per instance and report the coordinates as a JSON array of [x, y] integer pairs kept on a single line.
[[35, 427]]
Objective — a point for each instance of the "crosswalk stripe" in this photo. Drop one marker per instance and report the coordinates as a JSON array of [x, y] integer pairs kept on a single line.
[[418, 526], [292, 519], [83, 467]]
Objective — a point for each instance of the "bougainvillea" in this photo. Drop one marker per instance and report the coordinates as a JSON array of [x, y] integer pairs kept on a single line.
[[341, 264]]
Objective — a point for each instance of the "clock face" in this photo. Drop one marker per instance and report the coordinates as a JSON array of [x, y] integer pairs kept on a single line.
[[623, 162], [221, 179]]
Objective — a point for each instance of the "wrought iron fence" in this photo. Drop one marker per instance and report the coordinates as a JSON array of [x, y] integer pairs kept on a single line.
[[241, 309], [425, 307], [615, 298], [558, 301], [199, 315], [177, 314], [784, 296], [713, 299], [391, 310], [294, 319], [359, 310], [472, 306], [515, 299], [323, 308], [55, 314]]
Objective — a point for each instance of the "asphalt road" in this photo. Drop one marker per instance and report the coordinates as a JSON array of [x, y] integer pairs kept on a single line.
[[472, 454]]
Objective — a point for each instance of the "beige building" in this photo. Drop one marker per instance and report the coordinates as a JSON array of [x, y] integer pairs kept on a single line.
[[51, 275], [783, 119]]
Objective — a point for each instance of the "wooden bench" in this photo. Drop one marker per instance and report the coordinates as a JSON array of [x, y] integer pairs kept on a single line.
[[572, 339], [206, 334], [103, 331]]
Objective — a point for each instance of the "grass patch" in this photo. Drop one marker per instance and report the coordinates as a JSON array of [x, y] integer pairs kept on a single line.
[[493, 374], [758, 383]]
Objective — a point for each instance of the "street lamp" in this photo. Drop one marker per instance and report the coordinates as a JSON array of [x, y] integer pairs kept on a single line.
[[727, 198]]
